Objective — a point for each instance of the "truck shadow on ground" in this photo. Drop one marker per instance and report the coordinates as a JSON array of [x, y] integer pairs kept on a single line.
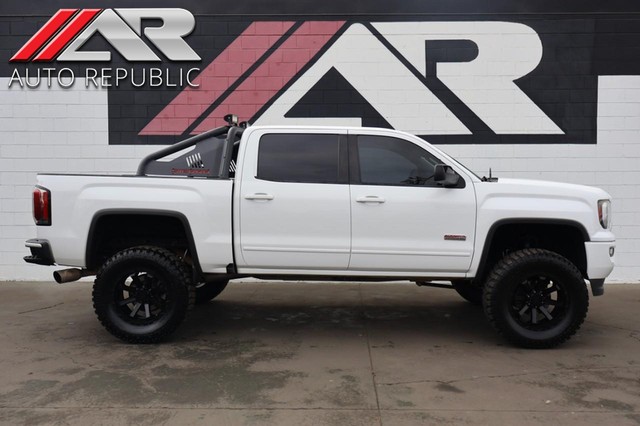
[[435, 319]]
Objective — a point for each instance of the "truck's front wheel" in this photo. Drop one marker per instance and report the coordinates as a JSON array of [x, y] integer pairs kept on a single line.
[[535, 298], [142, 294]]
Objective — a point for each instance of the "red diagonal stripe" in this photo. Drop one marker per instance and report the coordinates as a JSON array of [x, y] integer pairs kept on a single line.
[[216, 78], [274, 73], [43, 35], [66, 35]]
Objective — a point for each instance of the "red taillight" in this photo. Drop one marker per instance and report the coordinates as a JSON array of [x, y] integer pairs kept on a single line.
[[41, 206]]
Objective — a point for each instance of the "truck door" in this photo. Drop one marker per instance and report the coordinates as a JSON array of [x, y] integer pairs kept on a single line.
[[401, 219], [294, 201]]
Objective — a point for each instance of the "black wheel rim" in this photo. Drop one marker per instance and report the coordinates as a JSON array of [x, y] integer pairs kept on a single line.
[[142, 298], [539, 303]]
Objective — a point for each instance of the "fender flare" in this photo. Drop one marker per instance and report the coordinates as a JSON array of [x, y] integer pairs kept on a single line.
[[89, 251], [537, 221]]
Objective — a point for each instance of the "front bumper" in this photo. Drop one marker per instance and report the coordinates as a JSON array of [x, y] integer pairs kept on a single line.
[[41, 253], [600, 263], [600, 258]]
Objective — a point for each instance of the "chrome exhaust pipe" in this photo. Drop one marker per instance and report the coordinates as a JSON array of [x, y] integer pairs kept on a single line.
[[71, 275]]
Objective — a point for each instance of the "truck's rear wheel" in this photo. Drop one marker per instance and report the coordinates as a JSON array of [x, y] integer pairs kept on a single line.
[[142, 294], [207, 291], [469, 290], [535, 298]]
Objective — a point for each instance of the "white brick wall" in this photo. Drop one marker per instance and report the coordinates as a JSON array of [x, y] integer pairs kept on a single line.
[[49, 130], [55, 130]]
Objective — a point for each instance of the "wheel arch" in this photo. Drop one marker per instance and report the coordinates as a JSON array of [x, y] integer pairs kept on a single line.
[[495, 238], [92, 251]]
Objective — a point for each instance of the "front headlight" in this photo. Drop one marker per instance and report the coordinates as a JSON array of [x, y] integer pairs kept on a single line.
[[604, 213]]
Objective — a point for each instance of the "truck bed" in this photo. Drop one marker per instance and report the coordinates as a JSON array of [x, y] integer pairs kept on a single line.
[[77, 200]]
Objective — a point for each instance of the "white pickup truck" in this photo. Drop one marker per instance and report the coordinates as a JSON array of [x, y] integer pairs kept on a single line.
[[323, 203]]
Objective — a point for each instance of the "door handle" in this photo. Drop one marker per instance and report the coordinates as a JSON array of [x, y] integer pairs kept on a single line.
[[370, 199], [259, 196]]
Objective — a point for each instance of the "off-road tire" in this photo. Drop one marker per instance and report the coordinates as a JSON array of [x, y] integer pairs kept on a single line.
[[469, 290], [166, 274], [524, 269], [206, 292]]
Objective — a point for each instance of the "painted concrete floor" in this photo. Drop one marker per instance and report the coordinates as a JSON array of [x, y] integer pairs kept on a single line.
[[313, 354]]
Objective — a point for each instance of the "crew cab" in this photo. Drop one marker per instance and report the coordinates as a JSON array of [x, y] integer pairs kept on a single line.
[[323, 203]]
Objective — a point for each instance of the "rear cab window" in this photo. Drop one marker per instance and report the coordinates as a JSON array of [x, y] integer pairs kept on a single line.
[[302, 158]]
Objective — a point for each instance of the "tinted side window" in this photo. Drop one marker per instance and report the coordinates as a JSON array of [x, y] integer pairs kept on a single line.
[[390, 161], [311, 158]]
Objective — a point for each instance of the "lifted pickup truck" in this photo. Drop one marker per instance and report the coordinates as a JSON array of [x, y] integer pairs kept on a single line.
[[323, 203]]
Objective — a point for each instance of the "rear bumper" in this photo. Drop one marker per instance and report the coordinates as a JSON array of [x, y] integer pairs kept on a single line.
[[41, 253], [600, 258]]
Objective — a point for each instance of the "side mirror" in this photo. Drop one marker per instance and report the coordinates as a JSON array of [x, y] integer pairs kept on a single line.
[[445, 176]]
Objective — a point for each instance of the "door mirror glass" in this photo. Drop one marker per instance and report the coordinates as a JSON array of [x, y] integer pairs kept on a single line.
[[445, 176]]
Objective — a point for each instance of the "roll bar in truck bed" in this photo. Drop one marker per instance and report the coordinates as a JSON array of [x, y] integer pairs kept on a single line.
[[211, 156]]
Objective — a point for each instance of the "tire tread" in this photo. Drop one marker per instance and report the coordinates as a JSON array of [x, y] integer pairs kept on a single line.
[[166, 259], [497, 277]]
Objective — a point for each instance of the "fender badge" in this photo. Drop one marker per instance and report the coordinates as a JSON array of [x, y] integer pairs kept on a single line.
[[455, 237]]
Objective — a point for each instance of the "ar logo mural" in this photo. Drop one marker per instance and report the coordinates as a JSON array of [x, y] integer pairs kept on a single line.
[[428, 78], [68, 29]]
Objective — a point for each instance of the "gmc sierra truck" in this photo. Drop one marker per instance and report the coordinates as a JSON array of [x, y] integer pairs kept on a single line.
[[322, 203]]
